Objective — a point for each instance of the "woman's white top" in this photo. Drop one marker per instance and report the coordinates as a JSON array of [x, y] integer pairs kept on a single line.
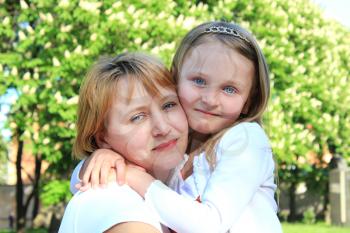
[[97, 210], [237, 196]]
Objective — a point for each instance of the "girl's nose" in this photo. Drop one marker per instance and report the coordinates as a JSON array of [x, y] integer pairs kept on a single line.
[[209, 98]]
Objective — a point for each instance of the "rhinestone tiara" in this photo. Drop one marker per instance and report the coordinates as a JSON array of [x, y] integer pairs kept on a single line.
[[226, 30]]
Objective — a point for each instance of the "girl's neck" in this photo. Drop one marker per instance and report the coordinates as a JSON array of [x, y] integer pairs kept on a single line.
[[196, 140]]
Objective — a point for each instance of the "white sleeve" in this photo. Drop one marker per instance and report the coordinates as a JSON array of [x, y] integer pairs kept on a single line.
[[74, 179], [243, 156], [97, 210]]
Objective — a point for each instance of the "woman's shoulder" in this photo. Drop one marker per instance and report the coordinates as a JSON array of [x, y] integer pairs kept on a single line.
[[113, 195], [107, 207]]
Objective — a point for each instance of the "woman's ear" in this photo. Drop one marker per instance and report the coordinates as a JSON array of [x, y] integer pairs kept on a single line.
[[101, 141]]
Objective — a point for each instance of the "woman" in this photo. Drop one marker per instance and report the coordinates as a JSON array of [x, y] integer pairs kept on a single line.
[[127, 104]]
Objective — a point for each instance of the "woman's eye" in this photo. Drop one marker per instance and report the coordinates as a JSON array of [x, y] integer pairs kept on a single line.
[[137, 117], [169, 105], [199, 81], [229, 90]]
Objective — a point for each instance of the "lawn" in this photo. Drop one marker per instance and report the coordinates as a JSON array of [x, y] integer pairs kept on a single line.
[[314, 228], [287, 228], [27, 231]]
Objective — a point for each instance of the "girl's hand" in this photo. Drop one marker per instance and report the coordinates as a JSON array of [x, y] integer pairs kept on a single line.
[[100, 167]]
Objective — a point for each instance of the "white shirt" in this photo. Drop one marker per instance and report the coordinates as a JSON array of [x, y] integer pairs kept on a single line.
[[237, 196], [97, 210]]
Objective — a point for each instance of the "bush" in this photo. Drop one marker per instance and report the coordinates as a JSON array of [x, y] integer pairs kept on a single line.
[[309, 216]]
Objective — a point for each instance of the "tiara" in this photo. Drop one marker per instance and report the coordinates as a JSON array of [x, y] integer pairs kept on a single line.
[[225, 30]]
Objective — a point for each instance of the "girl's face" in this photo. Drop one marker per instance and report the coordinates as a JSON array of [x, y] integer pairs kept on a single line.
[[214, 85], [148, 131]]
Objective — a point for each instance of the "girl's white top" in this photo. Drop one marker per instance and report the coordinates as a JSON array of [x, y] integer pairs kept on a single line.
[[237, 196], [97, 210]]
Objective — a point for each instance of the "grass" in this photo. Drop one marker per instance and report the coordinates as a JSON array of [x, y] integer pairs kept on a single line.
[[26, 231], [287, 228], [313, 228]]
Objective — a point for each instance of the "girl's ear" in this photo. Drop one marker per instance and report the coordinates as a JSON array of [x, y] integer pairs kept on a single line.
[[101, 141]]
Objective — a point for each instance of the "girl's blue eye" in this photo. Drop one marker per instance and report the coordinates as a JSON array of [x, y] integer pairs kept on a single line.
[[199, 81], [169, 105], [229, 90], [137, 117]]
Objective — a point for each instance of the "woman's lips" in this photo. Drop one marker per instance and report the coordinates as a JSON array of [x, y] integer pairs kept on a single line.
[[166, 146], [206, 113]]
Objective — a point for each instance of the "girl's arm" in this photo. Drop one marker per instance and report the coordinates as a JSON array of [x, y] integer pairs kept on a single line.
[[243, 162]]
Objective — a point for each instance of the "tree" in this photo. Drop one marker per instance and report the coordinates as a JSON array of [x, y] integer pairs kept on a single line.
[[3, 159], [50, 49]]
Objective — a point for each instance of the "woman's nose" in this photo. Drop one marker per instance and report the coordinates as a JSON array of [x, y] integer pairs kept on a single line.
[[160, 126]]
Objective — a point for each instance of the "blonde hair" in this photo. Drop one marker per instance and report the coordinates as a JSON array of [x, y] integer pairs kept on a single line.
[[99, 90], [260, 92]]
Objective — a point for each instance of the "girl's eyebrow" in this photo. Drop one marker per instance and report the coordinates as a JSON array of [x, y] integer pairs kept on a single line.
[[197, 73], [236, 83]]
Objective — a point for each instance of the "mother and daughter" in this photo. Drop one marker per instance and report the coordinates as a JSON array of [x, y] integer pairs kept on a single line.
[[133, 111]]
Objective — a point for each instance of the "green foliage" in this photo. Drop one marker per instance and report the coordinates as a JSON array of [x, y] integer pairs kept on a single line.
[[309, 216], [51, 45], [55, 192]]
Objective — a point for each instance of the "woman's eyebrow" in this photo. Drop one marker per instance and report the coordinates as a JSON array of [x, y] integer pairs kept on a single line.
[[133, 109], [167, 97]]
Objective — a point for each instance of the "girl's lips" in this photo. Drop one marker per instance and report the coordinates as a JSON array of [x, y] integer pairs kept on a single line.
[[165, 146]]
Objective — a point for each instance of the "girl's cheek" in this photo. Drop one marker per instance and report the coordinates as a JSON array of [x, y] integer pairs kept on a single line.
[[177, 119], [187, 93]]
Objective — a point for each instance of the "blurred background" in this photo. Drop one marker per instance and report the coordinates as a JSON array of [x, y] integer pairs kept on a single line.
[[47, 46]]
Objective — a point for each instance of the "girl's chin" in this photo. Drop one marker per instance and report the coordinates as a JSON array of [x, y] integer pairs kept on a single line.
[[203, 132]]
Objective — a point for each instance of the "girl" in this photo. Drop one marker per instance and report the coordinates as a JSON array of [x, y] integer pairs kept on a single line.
[[127, 104], [227, 182]]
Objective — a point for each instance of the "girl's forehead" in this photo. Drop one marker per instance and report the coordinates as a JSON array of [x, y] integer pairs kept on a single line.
[[206, 55], [208, 47]]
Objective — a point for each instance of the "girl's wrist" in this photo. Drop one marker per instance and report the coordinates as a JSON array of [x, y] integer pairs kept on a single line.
[[139, 180]]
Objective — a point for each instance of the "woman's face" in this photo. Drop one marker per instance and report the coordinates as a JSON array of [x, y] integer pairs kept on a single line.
[[150, 131]]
